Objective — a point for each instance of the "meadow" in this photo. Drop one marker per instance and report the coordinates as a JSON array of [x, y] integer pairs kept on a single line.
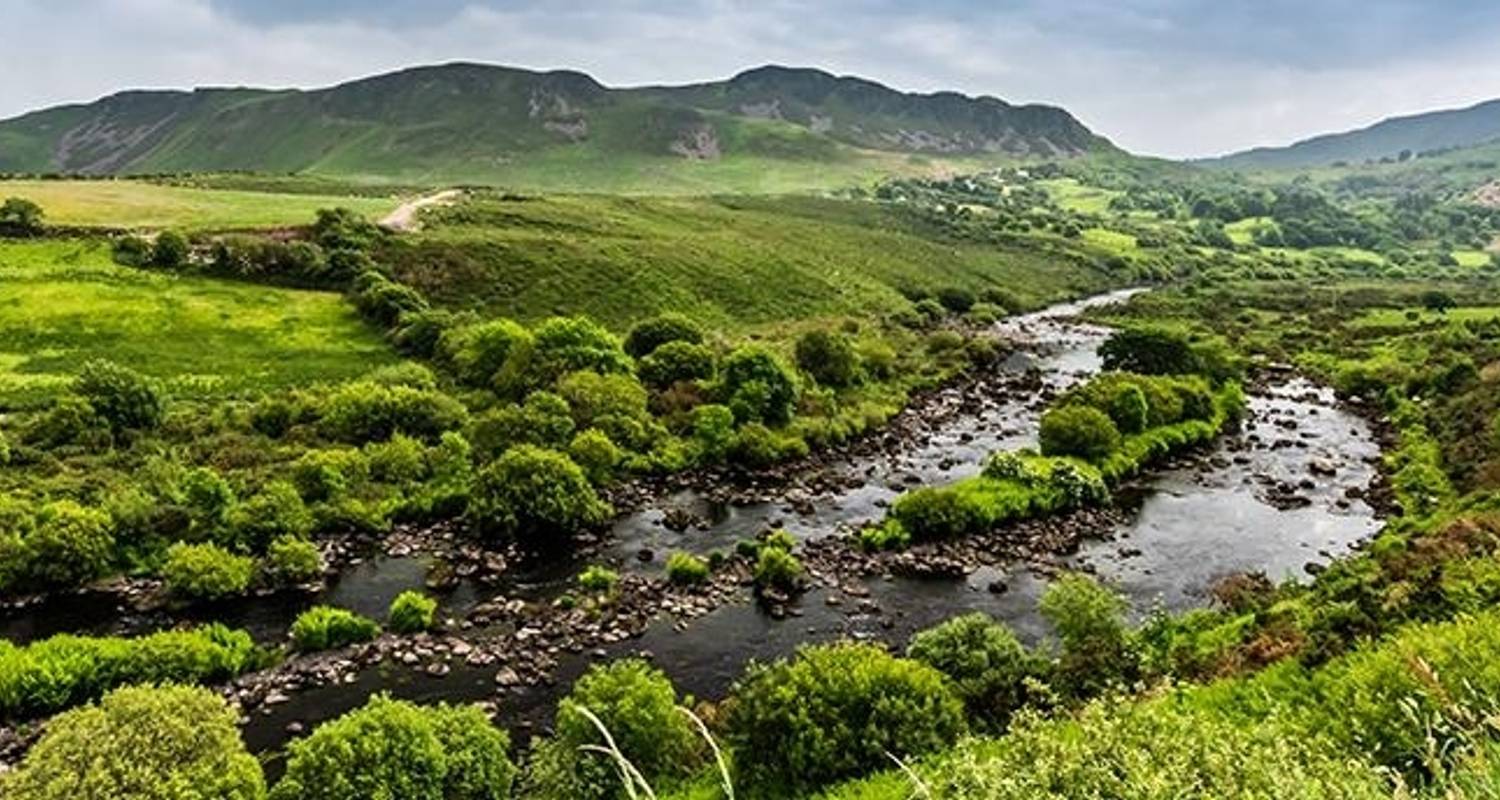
[[64, 301], [141, 204]]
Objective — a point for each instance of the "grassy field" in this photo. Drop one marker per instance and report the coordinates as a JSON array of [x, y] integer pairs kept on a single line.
[[739, 264], [139, 204], [63, 302], [1075, 196]]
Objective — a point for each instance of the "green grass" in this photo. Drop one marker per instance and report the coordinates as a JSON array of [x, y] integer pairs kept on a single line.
[[1396, 317], [1075, 196], [1471, 258], [139, 204], [63, 302], [738, 264]]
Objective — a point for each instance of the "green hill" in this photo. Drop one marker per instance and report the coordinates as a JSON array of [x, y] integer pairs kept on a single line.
[[766, 129]]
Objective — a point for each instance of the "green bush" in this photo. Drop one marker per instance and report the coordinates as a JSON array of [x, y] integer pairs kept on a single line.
[[988, 665], [131, 251], [323, 475], [686, 569], [276, 510], [412, 612], [1150, 350], [400, 461], [170, 251], [637, 704], [650, 335], [534, 494], [569, 344], [65, 670], [593, 451], [675, 362], [544, 420], [1081, 431], [478, 352], [1128, 409], [599, 580], [758, 446], [829, 358], [1089, 620], [363, 411], [777, 568], [384, 301], [956, 299], [206, 571], [713, 430], [141, 743], [208, 498], [70, 421], [292, 560], [122, 397], [421, 334], [69, 545], [326, 627], [401, 751], [835, 712], [21, 217], [938, 512], [595, 398], [757, 387]]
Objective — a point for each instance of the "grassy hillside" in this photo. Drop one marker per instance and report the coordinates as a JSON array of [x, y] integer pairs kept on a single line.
[[63, 302], [736, 263], [770, 129], [138, 204]]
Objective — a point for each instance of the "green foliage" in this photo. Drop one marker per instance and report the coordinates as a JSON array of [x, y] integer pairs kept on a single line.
[[68, 545], [1089, 620], [141, 743], [400, 460], [535, 495], [713, 430], [598, 579], [20, 217], [170, 251], [757, 387], [648, 336], [637, 704], [1013, 486], [478, 352], [675, 362], [412, 612], [686, 569], [395, 749], [833, 712], [544, 420], [776, 568], [384, 301], [988, 665], [292, 560], [956, 299], [1080, 431], [361, 412], [1128, 409], [326, 627], [828, 357], [595, 454], [1150, 350], [206, 571], [597, 400], [276, 510], [569, 344], [324, 475], [122, 397], [66, 670]]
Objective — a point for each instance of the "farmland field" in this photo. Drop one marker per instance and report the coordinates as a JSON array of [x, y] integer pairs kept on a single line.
[[138, 204]]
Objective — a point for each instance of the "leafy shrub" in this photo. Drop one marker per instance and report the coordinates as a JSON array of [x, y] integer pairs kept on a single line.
[[131, 251], [532, 493], [648, 336], [595, 398], [685, 569], [758, 387], [395, 749], [956, 299], [569, 344], [412, 612], [876, 538], [637, 704], [421, 334], [713, 430], [69, 545], [593, 451], [65, 670], [276, 510], [877, 357], [70, 421], [122, 397], [834, 712], [20, 217], [384, 301], [1089, 619], [544, 420], [206, 571], [1150, 350], [326, 627], [180, 743], [1080, 431], [478, 352], [988, 665], [362, 412], [322, 475], [776, 568], [933, 512], [1128, 409], [828, 357], [400, 460], [170, 251], [293, 560], [758, 446], [675, 362], [597, 579], [929, 310]]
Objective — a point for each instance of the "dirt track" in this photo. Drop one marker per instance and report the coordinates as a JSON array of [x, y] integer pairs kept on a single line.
[[404, 218]]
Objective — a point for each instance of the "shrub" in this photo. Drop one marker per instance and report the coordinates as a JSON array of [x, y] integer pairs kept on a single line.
[[650, 335], [956, 299], [570, 344], [988, 665], [70, 421], [593, 451], [326, 627], [876, 538], [394, 749], [713, 430], [685, 569], [208, 498], [1128, 409], [293, 560], [531, 493], [776, 568], [400, 460], [595, 398], [1150, 350], [322, 475], [834, 712], [675, 362], [1089, 620], [758, 446], [20, 217], [929, 310], [206, 571], [421, 334], [597, 579], [122, 397], [384, 301], [544, 419], [142, 743], [637, 704], [362, 412], [758, 387], [479, 351], [878, 358], [69, 545], [1080, 431], [828, 357], [412, 612], [937, 512], [276, 510], [131, 251]]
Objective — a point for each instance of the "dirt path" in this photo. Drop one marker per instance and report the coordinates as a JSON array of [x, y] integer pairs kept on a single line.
[[404, 218]]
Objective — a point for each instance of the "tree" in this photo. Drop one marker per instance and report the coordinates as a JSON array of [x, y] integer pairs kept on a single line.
[[533, 493], [1437, 301], [20, 217], [986, 662], [1089, 619], [171, 250], [649, 335], [828, 357], [142, 743], [1150, 350], [123, 397], [758, 387]]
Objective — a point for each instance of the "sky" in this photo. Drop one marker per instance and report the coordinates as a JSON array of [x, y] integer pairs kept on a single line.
[[1176, 78]]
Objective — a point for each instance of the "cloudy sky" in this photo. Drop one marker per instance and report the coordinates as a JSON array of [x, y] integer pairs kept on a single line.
[[1166, 77]]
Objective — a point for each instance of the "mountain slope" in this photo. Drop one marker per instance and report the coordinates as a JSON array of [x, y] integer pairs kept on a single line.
[[497, 124], [1414, 134]]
